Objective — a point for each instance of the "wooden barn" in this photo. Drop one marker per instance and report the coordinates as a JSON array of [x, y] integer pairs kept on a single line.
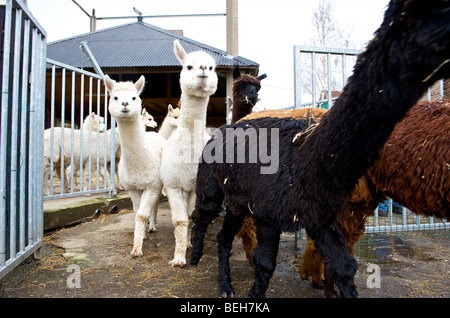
[[126, 52]]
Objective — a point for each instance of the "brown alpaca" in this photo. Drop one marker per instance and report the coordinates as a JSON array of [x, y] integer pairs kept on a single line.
[[299, 113], [412, 169]]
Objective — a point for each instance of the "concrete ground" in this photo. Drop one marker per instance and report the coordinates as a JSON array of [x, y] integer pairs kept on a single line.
[[92, 259]]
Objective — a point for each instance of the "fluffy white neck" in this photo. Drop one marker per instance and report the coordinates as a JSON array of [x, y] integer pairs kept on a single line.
[[167, 127], [193, 109], [132, 135]]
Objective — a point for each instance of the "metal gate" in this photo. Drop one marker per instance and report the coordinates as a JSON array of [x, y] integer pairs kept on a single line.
[[74, 141], [22, 124], [324, 71]]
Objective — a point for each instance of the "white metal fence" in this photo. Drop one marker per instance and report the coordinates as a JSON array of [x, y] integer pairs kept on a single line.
[[22, 123], [319, 72]]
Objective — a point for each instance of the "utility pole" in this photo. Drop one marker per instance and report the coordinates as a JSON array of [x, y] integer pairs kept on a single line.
[[93, 18], [232, 43]]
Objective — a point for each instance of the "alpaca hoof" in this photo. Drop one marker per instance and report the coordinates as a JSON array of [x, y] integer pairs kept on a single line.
[[195, 259], [317, 285], [136, 252], [229, 294], [304, 276], [178, 261]]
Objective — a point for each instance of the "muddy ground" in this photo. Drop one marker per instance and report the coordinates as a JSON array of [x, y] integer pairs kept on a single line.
[[410, 266]]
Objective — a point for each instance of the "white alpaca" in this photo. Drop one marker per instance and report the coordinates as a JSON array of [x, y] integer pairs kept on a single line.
[[170, 122], [139, 166], [148, 119], [91, 122], [101, 156], [198, 81]]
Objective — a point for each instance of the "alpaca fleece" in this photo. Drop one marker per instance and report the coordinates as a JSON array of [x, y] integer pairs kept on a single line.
[[319, 170], [419, 146], [413, 168]]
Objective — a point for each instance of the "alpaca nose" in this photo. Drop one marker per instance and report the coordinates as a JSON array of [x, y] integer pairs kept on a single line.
[[203, 67], [124, 103]]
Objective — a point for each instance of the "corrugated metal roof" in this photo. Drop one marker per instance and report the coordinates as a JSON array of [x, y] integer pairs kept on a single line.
[[136, 44]]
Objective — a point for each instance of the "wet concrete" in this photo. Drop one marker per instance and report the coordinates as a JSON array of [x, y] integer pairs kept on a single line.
[[409, 266]]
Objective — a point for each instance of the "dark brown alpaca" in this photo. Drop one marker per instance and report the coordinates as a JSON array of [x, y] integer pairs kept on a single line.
[[245, 93]]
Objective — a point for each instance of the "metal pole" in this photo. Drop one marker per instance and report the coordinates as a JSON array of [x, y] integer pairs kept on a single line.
[[4, 127], [232, 42]]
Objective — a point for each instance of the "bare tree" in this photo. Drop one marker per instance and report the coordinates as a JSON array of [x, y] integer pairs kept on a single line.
[[326, 32]]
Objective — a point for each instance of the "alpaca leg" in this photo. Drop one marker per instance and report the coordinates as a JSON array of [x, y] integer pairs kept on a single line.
[[105, 175], [147, 206], [312, 264], [225, 237], [46, 176], [202, 218], [248, 238], [135, 196], [152, 221], [190, 208], [61, 173], [351, 239], [84, 178], [209, 201], [180, 221], [339, 265], [264, 258]]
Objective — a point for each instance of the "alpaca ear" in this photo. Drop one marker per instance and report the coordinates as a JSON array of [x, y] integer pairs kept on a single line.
[[236, 71], [140, 84], [144, 111], [180, 53], [170, 109], [261, 77], [230, 101], [109, 83]]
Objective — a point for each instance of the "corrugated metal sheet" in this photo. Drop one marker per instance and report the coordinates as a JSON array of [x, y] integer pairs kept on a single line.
[[137, 44]]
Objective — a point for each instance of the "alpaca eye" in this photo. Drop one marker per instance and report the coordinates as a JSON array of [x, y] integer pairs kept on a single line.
[[210, 68], [133, 98], [116, 98], [189, 67]]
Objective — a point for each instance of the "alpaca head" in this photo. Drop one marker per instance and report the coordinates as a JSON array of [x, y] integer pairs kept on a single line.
[[97, 122], [148, 119], [124, 103], [417, 35], [246, 87], [198, 76], [172, 116], [173, 113]]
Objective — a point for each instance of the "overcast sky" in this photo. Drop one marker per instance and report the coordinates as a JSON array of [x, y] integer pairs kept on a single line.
[[268, 29]]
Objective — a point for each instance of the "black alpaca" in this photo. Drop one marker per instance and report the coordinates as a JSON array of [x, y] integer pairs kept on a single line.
[[245, 93], [318, 171]]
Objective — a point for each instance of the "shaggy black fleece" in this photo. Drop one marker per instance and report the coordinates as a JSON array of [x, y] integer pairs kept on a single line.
[[410, 51]]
